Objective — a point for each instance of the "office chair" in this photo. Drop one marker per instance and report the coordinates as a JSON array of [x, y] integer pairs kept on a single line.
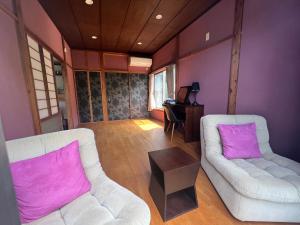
[[172, 118]]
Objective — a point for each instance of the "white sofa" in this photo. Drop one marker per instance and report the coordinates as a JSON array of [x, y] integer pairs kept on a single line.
[[106, 204], [263, 189]]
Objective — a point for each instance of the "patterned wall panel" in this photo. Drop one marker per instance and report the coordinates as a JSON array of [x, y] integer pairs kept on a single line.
[[82, 96], [96, 96], [138, 96], [117, 88]]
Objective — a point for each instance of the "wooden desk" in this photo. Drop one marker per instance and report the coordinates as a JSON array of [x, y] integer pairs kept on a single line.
[[191, 115], [172, 184]]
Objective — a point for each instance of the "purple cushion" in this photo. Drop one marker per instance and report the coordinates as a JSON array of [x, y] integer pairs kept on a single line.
[[239, 141], [48, 182]]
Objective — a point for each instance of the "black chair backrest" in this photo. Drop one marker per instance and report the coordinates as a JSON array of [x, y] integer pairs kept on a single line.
[[170, 114]]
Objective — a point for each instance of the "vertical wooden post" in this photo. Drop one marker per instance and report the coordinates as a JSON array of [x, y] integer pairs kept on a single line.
[[235, 56], [90, 97], [103, 89], [25, 60], [66, 87], [177, 64]]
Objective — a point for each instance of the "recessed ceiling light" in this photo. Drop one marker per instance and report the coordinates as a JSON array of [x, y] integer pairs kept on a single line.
[[139, 43], [89, 2], [158, 17], [94, 37]]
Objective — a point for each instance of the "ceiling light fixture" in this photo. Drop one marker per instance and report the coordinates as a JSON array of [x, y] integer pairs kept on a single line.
[[89, 2], [158, 17], [94, 37], [139, 43]]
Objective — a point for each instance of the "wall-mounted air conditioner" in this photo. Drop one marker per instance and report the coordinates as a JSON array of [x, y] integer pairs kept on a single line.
[[140, 62]]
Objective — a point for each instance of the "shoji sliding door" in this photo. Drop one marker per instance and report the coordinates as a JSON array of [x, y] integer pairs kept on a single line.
[[41, 62], [50, 81], [38, 77], [89, 98]]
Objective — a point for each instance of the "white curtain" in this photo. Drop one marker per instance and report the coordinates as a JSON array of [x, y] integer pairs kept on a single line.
[[170, 78], [151, 100]]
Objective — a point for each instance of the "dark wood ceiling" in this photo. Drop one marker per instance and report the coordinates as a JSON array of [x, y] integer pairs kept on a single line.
[[121, 24]]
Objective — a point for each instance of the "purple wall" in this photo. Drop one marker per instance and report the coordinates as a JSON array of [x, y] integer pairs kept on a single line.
[[211, 65], [218, 22], [164, 55], [211, 68], [269, 76], [38, 22], [14, 103]]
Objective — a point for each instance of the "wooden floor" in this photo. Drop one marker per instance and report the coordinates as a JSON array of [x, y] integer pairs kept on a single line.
[[123, 148]]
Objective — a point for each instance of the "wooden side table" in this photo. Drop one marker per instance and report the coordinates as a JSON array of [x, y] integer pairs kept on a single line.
[[172, 184]]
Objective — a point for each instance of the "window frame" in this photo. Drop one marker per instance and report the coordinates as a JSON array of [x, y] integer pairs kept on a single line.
[[163, 70]]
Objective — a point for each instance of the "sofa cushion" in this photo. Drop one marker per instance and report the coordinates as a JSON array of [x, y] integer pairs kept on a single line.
[[45, 183], [239, 141], [107, 203], [272, 177], [211, 137]]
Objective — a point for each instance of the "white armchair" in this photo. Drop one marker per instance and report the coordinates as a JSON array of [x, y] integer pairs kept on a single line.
[[107, 203], [262, 189]]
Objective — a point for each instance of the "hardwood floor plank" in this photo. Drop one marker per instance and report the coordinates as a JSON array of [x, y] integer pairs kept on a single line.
[[123, 150]]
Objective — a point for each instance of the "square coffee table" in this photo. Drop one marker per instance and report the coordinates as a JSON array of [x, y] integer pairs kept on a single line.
[[172, 184]]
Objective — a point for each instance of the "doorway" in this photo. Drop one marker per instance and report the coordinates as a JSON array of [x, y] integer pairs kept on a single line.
[[61, 92]]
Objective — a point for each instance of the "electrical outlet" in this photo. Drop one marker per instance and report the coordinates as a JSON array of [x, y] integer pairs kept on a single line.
[[207, 36]]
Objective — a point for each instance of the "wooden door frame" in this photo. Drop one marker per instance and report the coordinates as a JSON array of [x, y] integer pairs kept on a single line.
[[102, 90], [67, 95]]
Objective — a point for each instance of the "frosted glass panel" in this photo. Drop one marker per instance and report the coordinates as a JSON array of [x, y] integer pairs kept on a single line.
[[43, 113], [53, 102], [52, 94], [37, 75], [36, 65], [39, 85], [46, 53], [50, 79], [48, 62], [49, 70], [51, 87], [54, 110], [42, 104], [32, 43], [34, 54], [40, 94]]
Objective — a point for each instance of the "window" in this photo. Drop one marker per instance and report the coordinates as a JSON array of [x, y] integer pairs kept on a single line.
[[43, 77], [164, 86]]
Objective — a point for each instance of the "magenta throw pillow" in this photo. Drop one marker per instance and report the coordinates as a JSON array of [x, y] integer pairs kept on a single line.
[[48, 182], [239, 141]]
